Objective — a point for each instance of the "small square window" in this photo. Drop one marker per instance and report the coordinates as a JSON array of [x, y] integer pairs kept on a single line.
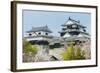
[[39, 33], [30, 34], [46, 33]]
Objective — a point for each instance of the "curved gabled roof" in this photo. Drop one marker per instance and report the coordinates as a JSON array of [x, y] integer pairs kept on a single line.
[[73, 22], [43, 28]]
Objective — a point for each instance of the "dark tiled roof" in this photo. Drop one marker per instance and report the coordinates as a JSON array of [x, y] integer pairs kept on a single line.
[[44, 29], [73, 22]]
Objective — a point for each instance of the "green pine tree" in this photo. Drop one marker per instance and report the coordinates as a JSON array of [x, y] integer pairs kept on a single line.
[[27, 47], [79, 54], [69, 53], [72, 53]]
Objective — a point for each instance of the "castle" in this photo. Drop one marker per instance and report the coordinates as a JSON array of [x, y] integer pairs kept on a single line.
[[72, 30]]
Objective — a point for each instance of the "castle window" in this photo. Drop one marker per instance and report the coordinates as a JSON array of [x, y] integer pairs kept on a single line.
[[39, 33], [64, 28], [30, 34], [46, 33]]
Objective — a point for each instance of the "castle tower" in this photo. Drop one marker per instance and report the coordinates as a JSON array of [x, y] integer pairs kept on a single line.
[[39, 35], [72, 30]]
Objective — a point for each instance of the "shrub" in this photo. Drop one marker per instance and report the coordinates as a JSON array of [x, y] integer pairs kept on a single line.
[[27, 47], [73, 53]]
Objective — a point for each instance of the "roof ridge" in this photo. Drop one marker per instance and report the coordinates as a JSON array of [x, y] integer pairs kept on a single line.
[[78, 21], [42, 28]]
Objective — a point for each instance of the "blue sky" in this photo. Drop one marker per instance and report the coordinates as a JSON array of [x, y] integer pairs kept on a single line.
[[53, 20]]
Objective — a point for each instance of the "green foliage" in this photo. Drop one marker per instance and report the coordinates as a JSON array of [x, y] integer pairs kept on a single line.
[[69, 53], [27, 47], [80, 54], [72, 53]]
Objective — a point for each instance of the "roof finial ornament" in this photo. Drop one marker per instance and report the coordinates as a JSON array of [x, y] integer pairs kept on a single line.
[[69, 18], [46, 26]]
